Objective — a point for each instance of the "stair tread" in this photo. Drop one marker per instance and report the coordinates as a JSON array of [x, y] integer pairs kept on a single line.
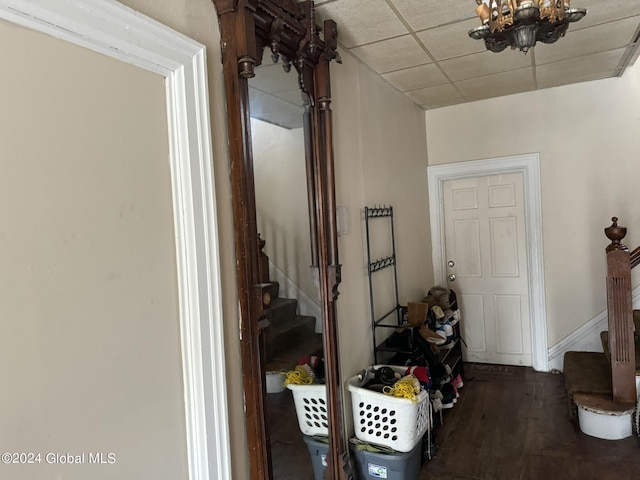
[[601, 403], [586, 372], [294, 323], [280, 302]]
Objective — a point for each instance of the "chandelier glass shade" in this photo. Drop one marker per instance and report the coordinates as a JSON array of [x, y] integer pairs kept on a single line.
[[521, 23]]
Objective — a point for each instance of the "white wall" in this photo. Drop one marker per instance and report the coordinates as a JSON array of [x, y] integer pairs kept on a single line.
[[90, 348], [588, 138], [281, 201], [380, 150]]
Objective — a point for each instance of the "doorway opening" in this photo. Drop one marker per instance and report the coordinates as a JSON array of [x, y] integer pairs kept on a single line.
[[529, 166]]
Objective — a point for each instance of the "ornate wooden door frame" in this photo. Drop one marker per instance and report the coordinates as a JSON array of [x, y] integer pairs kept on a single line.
[[290, 30]]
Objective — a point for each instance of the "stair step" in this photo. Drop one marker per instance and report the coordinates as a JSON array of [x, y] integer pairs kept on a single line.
[[600, 417], [286, 334], [586, 372], [281, 310]]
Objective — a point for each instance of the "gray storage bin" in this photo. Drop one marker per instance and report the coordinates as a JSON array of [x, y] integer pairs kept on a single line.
[[392, 466], [318, 451]]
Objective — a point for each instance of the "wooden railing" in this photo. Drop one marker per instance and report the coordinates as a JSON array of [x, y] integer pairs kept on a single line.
[[620, 309]]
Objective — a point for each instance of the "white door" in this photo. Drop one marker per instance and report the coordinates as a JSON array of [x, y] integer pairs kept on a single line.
[[486, 260]]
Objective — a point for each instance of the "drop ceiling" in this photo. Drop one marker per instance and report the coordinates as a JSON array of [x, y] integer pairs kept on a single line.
[[422, 48]]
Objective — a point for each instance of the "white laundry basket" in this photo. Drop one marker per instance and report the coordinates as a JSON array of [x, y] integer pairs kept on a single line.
[[311, 408], [385, 420]]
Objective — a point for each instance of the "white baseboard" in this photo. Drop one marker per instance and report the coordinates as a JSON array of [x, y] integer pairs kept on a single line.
[[289, 289], [586, 338]]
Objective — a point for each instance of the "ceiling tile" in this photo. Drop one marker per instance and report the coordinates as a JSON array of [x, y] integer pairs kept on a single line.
[[485, 63], [437, 96], [579, 69], [602, 12], [392, 54], [416, 77], [421, 14], [451, 40], [498, 84], [362, 21], [590, 40]]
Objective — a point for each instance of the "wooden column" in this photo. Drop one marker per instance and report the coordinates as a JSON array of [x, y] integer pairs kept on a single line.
[[238, 60], [620, 309], [339, 467]]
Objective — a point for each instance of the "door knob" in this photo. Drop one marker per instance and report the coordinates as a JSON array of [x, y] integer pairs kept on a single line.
[[452, 278]]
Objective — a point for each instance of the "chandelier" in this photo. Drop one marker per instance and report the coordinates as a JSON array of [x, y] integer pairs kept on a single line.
[[522, 23]]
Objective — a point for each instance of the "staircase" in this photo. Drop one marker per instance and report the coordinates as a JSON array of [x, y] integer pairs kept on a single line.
[[289, 336], [601, 387]]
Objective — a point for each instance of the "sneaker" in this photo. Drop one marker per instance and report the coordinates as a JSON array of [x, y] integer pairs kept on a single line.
[[448, 396], [457, 382], [448, 403], [455, 390]]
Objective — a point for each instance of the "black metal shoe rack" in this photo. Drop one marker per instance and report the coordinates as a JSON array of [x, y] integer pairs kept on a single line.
[[375, 214]]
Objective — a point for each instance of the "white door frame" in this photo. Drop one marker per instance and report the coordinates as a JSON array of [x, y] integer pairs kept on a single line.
[[529, 166], [110, 28]]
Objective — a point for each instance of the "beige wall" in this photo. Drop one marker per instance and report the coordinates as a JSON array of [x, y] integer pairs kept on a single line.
[[588, 138], [90, 350], [380, 159], [197, 19]]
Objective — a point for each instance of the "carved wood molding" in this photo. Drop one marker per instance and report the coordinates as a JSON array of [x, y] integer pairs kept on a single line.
[[289, 30]]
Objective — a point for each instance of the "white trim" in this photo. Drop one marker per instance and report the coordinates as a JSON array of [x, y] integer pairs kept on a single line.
[[289, 289], [529, 166], [586, 338], [110, 28]]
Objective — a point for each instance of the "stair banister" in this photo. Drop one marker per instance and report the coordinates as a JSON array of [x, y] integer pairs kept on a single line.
[[620, 313]]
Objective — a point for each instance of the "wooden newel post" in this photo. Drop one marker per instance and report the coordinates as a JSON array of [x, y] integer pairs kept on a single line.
[[620, 309]]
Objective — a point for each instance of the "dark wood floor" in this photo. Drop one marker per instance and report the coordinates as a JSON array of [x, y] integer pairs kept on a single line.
[[510, 423]]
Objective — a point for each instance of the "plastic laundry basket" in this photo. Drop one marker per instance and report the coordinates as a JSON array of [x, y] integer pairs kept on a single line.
[[381, 419], [311, 408]]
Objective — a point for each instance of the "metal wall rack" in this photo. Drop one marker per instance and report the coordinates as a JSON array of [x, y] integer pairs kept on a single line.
[[371, 214]]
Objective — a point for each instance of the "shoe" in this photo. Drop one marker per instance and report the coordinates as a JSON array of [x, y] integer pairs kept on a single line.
[[448, 330], [431, 336], [457, 382], [448, 396], [449, 403], [455, 390]]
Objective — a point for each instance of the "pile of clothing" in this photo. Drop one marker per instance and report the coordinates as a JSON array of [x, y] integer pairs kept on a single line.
[[390, 382]]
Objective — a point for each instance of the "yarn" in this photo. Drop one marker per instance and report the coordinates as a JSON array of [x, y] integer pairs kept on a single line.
[[300, 375], [407, 387]]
